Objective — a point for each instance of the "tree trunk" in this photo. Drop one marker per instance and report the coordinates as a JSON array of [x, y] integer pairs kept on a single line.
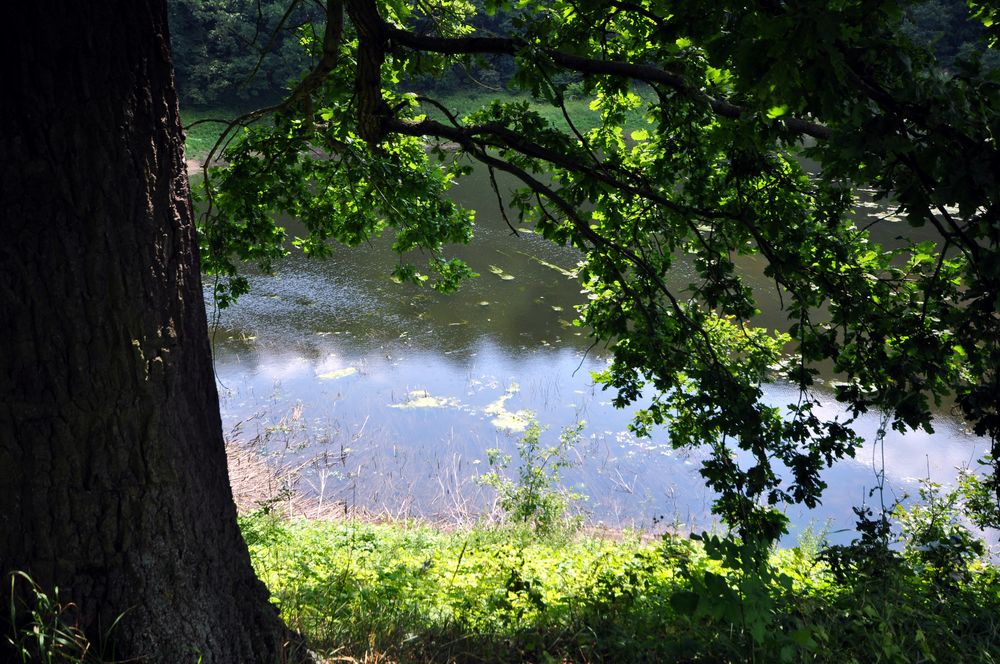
[[113, 481]]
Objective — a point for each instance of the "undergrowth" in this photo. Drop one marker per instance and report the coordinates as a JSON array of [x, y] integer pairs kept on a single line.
[[46, 630], [917, 584], [411, 593], [535, 498], [406, 592]]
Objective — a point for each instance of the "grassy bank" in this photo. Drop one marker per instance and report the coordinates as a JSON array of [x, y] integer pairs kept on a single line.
[[578, 110], [527, 589], [200, 134], [409, 593], [528, 583]]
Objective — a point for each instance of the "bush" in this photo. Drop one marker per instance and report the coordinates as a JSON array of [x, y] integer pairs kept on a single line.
[[535, 498]]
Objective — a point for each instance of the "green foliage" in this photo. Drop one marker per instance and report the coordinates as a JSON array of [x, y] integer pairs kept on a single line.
[[935, 538], [734, 98], [987, 13], [923, 601], [740, 588], [979, 498], [433, 596], [954, 33], [357, 194], [869, 558], [463, 103], [228, 52], [409, 593], [535, 498], [691, 165]]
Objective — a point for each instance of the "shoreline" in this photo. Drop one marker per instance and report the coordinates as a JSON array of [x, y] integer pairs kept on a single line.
[[261, 486]]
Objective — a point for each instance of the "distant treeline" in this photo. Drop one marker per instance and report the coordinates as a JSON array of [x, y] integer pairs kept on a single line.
[[244, 52], [946, 27], [237, 52]]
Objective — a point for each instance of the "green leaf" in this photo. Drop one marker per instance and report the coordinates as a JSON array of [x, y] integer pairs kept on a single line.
[[685, 602]]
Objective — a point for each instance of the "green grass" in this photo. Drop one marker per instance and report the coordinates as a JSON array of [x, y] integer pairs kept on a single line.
[[410, 593], [200, 138], [583, 117]]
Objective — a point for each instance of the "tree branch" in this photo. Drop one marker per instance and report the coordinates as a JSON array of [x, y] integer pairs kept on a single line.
[[638, 72]]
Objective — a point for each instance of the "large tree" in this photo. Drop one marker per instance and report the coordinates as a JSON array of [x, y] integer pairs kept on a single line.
[[113, 482]]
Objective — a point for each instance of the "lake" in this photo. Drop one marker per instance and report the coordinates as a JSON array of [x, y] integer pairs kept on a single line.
[[386, 397]]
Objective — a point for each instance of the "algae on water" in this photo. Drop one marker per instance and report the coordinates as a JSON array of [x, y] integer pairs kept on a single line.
[[423, 399], [508, 420], [338, 373], [500, 273]]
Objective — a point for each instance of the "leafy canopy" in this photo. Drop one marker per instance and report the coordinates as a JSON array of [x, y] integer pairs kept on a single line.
[[736, 97]]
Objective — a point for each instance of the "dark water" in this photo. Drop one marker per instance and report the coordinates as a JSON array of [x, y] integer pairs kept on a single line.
[[386, 397]]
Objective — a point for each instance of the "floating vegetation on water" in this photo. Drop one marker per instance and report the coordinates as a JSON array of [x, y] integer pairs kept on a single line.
[[338, 373], [484, 382], [514, 422], [505, 419], [423, 399], [569, 274], [500, 273]]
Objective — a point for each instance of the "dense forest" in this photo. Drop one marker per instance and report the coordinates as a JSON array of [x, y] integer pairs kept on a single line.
[[236, 53], [230, 52]]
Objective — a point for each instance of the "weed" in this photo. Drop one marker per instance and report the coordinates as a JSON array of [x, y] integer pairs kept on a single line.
[[43, 626], [935, 539], [414, 594], [535, 498]]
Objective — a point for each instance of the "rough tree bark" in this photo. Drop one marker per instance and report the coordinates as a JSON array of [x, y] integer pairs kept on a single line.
[[113, 482]]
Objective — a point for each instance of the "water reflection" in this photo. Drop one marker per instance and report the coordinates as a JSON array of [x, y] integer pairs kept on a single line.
[[387, 396]]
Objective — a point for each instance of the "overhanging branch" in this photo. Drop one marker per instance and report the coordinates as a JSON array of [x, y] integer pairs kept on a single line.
[[583, 65]]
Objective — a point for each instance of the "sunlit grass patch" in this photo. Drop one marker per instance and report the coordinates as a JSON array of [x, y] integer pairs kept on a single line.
[[411, 593], [201, 130], [421, 594]]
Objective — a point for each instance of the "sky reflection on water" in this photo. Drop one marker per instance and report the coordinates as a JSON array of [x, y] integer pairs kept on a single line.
[[329, 357]]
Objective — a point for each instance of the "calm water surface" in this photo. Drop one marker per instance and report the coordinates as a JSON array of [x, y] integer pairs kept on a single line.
[[386, 397]]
